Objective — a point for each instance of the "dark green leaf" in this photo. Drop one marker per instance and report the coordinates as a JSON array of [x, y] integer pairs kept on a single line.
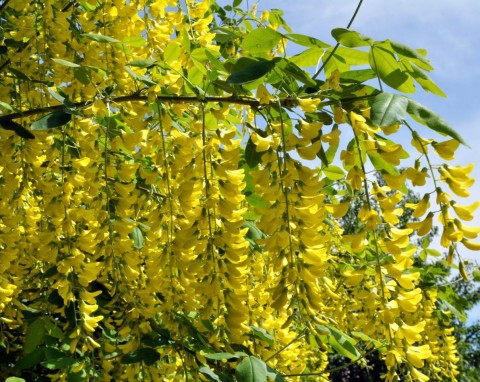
[[252, 72], [82, 75], [251, 369], [252, 157], [8, 124], [20, 75], [52, 329], [221, 356], [429, 118], [304, 40], [388, 108], [99, 38], [62, 99], [31, 359], [52, 120], [137, 236], [57, 359], [148, 355], [260, 41], [3, 49], [446, 306], [262, 333], [350, 38]]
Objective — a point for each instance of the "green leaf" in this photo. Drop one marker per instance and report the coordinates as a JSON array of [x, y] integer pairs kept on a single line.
[[61, 99], [425, 81], [260, 41], [262, 334], [20, 75], [361, 75], [14, 379], [31, 359], [350, 38], [66, 63], [52, 120], [134, 41], [222, 356], [251, 369], [209, 374], [6, 106], [476, 274], [137, 236], [8, 124], [341, 342], [388, 108], [255, 200], [383, 61], [446, 306], [304, 40], [100, 38], [309, 57], [57, 359], [429, 118], [53, 330], [406, 51], [82, 75], [252, 72], [252, 157], [142, 63], [378, 345], [204, 54], [333, 172]]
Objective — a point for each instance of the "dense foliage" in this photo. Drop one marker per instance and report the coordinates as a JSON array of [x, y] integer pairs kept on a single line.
[[172, 188]]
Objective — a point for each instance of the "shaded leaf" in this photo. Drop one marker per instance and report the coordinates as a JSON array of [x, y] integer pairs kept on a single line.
[[222, 356], [57, 359], [429, 118], [209, 374], [262, 333], [6, 106], [31, 359], [52, 120], [8, 124], [252, 157], [252, 72], [62, 99], [388, 108], [34, 337], [251, 369]]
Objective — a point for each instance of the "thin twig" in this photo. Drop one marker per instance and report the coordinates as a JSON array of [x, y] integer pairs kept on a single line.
[[338, 44]]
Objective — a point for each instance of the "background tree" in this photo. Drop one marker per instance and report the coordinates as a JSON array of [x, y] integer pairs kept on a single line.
[[172, 184]]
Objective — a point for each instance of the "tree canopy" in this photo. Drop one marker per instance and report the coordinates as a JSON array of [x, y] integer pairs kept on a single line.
[[173, 187]]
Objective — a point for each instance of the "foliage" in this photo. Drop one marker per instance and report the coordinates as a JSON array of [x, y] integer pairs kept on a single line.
[[172, 182]]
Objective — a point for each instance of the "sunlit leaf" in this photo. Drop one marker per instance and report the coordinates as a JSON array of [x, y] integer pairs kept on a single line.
[[251, 369], [100, 38], [260, 41], [350, 38]]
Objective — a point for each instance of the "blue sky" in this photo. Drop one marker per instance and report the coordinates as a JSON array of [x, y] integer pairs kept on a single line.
[[449, 30]]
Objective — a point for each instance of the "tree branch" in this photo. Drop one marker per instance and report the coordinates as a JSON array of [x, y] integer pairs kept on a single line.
[[288, 102]]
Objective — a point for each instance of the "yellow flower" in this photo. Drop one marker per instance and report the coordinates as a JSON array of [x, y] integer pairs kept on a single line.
[[446, 150], [416, 355], [263, 96], [465, 212], [308, 105]]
